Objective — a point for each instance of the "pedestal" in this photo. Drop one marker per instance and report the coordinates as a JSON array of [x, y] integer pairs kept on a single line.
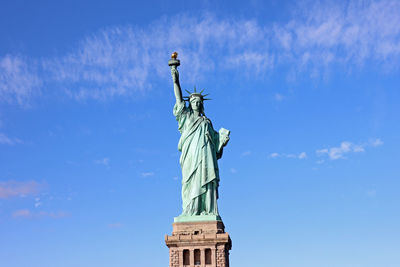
[[198, 244]]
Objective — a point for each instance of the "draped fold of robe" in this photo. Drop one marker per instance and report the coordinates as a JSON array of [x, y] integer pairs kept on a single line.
[[199, 145]]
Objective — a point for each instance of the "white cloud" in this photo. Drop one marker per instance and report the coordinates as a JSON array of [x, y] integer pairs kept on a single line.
[[18, 81], [257, 62], [125, 61], [246, 153], [25, 213], [274, 155], [22, 213], [5, 140], [338, 152], [103, 161], [376, 142], [346, 147], [55, 215], [302, 155], [233, 170], [147, 174], [37, 202], [358, 148], [13, 188], [349, 33], [278, 97]]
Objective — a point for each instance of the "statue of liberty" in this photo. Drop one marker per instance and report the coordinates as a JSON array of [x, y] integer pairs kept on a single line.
[[201, 146]]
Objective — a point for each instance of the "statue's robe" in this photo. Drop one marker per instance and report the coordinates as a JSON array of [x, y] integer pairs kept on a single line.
[[200, 147]]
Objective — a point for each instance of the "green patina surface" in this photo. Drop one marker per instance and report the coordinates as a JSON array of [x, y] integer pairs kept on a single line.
[[201, 147]]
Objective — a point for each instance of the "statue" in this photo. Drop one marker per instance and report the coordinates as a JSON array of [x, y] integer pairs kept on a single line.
[[201, 146]]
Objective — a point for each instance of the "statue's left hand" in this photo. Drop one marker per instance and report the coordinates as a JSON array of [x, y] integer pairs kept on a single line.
[[226, 140]]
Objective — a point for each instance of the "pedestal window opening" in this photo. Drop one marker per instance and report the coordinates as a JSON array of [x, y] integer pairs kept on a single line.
[[208, 255], [186, 257], [197, 260]]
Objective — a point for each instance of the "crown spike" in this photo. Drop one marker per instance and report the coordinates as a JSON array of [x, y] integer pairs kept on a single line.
[[195, 93]]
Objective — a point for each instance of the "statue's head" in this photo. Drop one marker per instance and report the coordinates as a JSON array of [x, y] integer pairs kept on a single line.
[[196, 100], [196, 103]]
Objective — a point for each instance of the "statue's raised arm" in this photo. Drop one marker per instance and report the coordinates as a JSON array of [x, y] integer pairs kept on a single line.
[[174, 63]]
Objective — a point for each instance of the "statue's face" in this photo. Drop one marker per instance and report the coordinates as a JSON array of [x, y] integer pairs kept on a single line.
[[196, 103]]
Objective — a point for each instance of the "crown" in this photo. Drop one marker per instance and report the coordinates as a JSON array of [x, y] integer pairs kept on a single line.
[[196, 94]]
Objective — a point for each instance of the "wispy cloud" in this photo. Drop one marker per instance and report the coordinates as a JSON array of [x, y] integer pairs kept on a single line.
[[103, 161], [147, 174], [346, 147], [246, 153], [37, 202], [339, 152], [13, 188], [22, 213], [351, 32], [302, 155], [375, 142], [278, 97], [26, 213], [125, 61], [233, 170], [52, 214], [19, 80], [5, 140]]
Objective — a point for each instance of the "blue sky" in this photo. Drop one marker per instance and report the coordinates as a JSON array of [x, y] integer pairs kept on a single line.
[[89, 167]]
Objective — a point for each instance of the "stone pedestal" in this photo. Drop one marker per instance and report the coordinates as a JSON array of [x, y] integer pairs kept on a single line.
[[198, 244]]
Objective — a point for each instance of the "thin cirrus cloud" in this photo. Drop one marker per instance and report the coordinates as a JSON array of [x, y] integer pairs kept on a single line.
[[5, 140], [278, 97], [346, 147], [333, 153], [26, 213], [11, 188], [360, 30], [22, 213], [147, 174], [104, 161], [19, 81], [302, 155], [246, 153], [124, 61]]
